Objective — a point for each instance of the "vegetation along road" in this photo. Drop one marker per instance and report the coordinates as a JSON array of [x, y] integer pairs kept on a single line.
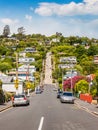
[[46, 112]]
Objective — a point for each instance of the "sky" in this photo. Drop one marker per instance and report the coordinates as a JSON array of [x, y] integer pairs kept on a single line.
[[46, 17]]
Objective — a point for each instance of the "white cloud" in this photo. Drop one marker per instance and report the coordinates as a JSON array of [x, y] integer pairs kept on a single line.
[[68, 27], [91, 1], [71, 9], [31, 8], [28, 17], [9, 21]]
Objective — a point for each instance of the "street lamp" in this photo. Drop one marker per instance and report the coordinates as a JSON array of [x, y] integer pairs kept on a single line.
[[90, 84]]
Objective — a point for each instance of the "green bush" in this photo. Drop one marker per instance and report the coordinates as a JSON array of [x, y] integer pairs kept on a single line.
[[8, 96], [2, 97]]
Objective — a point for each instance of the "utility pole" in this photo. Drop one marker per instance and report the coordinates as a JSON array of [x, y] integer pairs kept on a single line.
[[71, 81], [62, 80], [28, 82], [16, 81]]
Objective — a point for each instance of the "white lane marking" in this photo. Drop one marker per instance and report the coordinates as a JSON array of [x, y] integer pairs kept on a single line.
[[41, 123]]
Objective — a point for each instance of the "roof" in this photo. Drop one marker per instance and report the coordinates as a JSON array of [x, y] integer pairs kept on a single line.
[[19, 72], [6, 79]]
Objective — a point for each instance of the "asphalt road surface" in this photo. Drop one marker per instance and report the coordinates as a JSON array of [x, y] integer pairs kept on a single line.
[[46, 112], [48, 69]]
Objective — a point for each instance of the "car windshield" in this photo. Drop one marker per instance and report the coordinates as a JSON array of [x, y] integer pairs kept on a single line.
[[19, 96], [67, 94], [60, 92]]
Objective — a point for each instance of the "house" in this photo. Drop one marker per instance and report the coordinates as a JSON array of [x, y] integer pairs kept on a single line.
[[26, 60], [29, 68], [22, 75], [70, 59], [30, 50], [8, 84], [55, 40], [67, 66], [10, 87], [22, 54], [70, 74], [95, 59], [6, 79]]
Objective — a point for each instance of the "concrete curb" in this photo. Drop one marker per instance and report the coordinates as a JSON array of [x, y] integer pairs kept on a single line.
[[88, 110], [3, 109], [80, 106], [94, 112]]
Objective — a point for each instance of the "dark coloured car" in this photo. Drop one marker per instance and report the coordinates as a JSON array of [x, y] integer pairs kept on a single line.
[[38, 90], [59, 94]]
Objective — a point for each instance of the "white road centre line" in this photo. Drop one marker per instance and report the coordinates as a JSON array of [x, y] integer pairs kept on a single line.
[[41, 123]]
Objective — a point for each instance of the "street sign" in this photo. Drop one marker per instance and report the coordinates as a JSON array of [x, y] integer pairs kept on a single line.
[[16, 83]]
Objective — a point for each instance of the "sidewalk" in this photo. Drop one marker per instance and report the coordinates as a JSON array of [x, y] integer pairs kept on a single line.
[[87, 106], [5, 106]]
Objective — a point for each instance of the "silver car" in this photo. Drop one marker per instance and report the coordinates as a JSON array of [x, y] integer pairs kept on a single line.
[[67, 97], [20, 99]]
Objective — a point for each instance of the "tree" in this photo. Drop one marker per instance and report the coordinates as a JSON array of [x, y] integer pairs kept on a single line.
[[5, 67], [75, 79], [87, 65], [21, 30], [2, 98], [20, 34], [82, 86], [6, 31], [79, 68], [72, 40], [93, 50], [3, 50], [80, 50], [96, 78]]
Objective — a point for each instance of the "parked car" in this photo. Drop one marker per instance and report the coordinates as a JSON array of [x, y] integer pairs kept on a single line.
[[59, 94], [67, 97], [38, 90], [20, 99]]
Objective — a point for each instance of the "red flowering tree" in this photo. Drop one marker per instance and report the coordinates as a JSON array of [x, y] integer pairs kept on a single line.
[[67, 84]]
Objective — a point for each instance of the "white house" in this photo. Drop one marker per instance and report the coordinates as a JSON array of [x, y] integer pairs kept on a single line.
[[68, 66], [22, 75], [29, 68], [30, 49], [26, 60], [10, 87], [69, 59], [8, 84]]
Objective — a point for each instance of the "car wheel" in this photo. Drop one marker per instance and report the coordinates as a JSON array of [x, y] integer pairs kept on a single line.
[[61, 101], [28, 104], [13, 105], [73, 102]]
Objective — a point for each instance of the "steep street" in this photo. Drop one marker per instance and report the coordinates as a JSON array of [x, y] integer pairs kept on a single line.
[[46, 112], [48, 69]]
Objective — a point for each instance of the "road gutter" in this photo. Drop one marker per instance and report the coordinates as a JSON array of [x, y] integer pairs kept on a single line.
[[5, 108], [87, 110]]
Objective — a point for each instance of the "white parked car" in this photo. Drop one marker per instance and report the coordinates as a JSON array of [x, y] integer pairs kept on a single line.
[[20, 99], [67, 97]]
